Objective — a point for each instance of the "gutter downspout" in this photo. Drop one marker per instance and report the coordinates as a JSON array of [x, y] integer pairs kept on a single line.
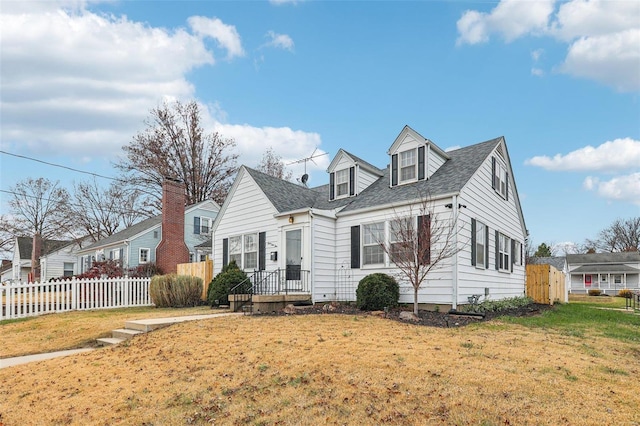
[[313, 257], [454, 290]]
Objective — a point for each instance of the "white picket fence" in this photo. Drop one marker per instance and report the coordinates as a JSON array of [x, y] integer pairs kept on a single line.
[[29, 299]]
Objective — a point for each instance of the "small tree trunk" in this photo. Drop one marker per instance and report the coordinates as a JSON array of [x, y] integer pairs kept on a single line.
[[415, 300]]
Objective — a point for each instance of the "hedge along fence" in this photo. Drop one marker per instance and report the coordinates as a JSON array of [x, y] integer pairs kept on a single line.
[[175, 291]]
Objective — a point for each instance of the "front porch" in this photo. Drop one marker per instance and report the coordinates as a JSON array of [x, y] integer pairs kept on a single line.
[[268, 291]]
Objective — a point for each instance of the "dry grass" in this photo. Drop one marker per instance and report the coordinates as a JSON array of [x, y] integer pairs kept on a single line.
[[333, 369], [76, 329]]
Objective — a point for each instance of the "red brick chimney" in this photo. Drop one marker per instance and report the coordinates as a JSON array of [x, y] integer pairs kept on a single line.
[[36, 252], [172, 250]]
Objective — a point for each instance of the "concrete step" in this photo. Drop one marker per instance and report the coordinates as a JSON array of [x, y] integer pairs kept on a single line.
[[109, 341], [125, 333]]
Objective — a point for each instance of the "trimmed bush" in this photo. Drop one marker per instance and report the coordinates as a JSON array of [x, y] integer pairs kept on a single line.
[[377, 291], [595, 292], [175, 291], [228, 278], [499, 305], [626, 293]]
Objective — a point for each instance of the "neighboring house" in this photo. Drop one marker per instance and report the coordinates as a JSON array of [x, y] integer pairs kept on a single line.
[[61, 262], [608, 272], [22, 251], [137, 244], [325, 235]]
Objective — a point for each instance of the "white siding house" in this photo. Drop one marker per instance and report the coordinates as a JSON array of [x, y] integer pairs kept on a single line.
[[325, 232], [607, 272]]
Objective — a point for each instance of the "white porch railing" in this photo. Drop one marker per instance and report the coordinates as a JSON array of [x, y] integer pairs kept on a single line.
[[30, 299]]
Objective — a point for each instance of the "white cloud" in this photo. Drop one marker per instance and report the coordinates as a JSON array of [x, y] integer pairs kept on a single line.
[[226, 35], [536, 54], [613, 59], [602, 37], [621, 188], [537, 72], [609, 157], [291, 145], [281, 2], [510, 18], [281, 41]]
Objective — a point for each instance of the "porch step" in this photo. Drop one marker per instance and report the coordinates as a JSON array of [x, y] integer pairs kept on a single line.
[[125, 333], [109, 341]]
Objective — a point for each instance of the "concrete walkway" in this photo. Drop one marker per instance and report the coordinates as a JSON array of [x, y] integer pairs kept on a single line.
[[149, 325]]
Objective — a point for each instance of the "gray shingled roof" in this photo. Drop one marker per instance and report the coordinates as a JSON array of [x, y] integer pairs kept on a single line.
[[127, 233], [610, 268], [555, 261], [25, 246], [449, 178], [363, 162], [625, 257]]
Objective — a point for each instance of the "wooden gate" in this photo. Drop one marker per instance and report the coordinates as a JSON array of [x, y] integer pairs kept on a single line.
[[202, 270], [545, 284]]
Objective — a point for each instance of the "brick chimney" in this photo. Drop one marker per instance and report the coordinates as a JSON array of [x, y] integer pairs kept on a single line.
[[172, 250], [36, 252]]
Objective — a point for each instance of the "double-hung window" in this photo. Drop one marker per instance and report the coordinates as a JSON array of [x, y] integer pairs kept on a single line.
[[401, 235], [504, 249], [342, 182], [235, 250], [251, 251], [500, 178], [372, 241], [68, 269], [144, 255], [481, 250], [407, 165]]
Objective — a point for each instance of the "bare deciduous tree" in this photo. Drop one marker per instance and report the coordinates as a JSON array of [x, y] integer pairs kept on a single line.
[[273, 165], [98, 212], [175, 144], [8, 231], [40, 207], [420, 243], [621, 235]]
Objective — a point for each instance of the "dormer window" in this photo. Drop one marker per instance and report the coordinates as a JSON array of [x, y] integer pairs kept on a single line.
[[342, 182], [407, 165]]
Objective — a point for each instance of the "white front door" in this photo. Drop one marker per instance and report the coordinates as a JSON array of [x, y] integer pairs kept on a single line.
[[293, 250]]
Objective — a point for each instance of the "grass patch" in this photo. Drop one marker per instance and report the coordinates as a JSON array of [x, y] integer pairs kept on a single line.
[[586, 319]]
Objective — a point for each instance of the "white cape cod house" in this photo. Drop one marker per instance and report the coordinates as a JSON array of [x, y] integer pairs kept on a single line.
[[318, 241]]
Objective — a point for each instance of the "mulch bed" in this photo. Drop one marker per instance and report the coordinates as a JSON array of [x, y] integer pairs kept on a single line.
[[426, 318]]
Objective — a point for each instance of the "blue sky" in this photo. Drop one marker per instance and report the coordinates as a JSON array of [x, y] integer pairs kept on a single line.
[[560, 80]]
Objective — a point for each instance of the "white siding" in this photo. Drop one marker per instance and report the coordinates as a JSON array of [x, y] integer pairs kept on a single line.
[[435, 289], [247, 211], [52, 265], [434, 161], [364, 179], [487, 206]]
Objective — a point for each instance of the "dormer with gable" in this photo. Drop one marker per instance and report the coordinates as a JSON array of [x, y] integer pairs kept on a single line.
[[414, 158], [349, 175]]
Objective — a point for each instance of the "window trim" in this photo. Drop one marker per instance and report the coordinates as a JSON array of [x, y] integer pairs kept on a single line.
[[504, 260], [413, 165], [148, 251], [339, 182], [245, 252], [373, 244], [500, 179], [480, 247]]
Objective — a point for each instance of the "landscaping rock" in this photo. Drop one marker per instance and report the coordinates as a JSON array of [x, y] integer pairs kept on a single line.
[[328, 308], [290, 309], [409, 316]]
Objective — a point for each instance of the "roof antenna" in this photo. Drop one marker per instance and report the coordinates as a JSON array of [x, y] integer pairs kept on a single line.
[[305, 177]]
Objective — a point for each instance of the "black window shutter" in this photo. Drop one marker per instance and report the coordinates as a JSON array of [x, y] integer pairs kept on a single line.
[[262, 251], [473, 242], [394, 169], [486, 247], [493, 172], [352, 181], [421, 173], [424, 238], [497, 250], [332, 188], [196, 225], [506, 183], [355, 247], [225, 252], [513, 250]]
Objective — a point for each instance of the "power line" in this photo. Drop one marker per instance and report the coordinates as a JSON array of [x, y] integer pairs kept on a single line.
[[61, 166]]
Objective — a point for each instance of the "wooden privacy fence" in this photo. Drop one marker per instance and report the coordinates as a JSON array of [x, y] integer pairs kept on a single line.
[[545, 284], [202, 270], [31, 299]]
